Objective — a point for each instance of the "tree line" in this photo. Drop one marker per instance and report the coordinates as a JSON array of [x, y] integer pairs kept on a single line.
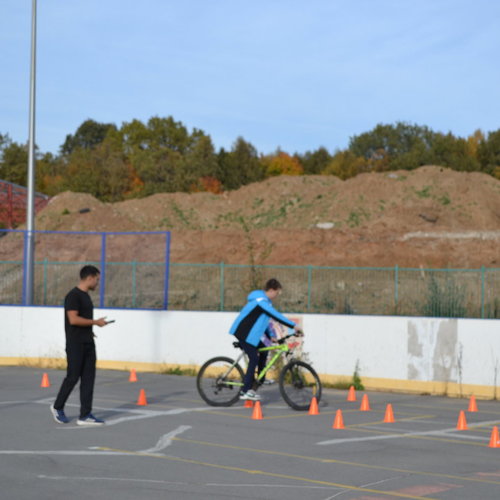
[[139, 159]]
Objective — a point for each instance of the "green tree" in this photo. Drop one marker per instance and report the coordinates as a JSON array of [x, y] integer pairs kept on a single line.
[[198, 164], [87, 136], [488, 153], [101, 171], [13, 161], [345, 164], [164, 155], [453, 152], [314, 162], [49, 177], [240, 166], [391, 147]]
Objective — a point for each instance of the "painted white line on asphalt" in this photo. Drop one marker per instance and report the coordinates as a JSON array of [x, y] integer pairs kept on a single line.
[[444, 432], [166, 439], [441, 432], [158, 481], [257, 485], [163, 442], [60, 452], [365, 486], [87, 478]]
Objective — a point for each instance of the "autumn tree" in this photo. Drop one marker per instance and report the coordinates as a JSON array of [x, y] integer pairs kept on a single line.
[[281, 163]]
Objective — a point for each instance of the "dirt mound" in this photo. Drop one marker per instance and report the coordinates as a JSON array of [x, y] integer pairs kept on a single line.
[[431, 217]]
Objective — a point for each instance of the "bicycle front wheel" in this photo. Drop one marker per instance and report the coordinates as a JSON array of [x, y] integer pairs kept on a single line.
[[219, 381], [298, 384]]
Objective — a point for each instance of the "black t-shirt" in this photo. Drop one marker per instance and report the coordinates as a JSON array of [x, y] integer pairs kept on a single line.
[[80, 301]]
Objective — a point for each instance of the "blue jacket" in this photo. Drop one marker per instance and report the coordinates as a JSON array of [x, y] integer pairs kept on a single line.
[[253, 320]]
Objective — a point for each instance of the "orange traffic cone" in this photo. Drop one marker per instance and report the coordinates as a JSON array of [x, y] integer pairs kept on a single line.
[[495, 439], [338, 423], [257, 411], [472, 403], [389, 415], [248, 404], [45, 381], [141, 401], [462, 423], [351, 395], [313, 407], [133, 376], [365, 404]]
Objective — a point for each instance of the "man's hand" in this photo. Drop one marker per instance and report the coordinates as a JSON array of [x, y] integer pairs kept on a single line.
[[101, 321], [298, 331]]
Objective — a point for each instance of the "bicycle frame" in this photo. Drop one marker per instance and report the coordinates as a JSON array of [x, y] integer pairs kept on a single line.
[[280, 348]]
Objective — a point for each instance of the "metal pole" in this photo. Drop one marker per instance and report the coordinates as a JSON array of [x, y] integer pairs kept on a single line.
[[30, 205]]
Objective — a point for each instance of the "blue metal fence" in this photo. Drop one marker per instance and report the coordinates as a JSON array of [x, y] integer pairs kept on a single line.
[[136, 273], [125, 259]]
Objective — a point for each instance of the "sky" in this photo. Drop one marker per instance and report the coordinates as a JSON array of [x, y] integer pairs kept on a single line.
[[288, 74]]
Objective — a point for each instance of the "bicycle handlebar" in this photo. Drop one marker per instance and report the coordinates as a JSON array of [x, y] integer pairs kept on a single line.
[[294, 334]]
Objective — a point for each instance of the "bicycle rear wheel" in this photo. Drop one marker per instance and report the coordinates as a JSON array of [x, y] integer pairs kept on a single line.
[[298, 384], [219, 381]]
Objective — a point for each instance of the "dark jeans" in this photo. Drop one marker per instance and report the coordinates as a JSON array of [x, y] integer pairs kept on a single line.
[[81, 365], [256, 359]]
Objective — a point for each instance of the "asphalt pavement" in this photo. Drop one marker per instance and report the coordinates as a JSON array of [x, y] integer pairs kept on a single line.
[[177, 447]]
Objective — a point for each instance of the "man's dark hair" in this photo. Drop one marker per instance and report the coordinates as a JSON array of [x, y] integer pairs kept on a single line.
[[273, 284], [87, 271]]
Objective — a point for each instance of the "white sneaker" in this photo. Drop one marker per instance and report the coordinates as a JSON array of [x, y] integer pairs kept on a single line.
[[268, 381], [90, 420], [251, 395]]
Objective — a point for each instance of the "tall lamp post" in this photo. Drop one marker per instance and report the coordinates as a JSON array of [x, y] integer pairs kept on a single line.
[[29, 240]]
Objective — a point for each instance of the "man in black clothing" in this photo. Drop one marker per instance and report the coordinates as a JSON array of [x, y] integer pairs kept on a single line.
[[80, 348]]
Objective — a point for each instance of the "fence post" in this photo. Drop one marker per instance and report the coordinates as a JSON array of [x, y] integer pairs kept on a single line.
[[25, 245], [396, 286], [102, 287], [221, 265], [134, 283], [482, 290], [45, 262], [309, 280], [166, 282]]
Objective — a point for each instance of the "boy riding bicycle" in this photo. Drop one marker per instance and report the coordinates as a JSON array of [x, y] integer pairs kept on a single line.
[[251, 329]]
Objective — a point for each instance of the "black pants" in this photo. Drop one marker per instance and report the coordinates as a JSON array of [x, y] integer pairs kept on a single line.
[[256, 359], [81, 365]]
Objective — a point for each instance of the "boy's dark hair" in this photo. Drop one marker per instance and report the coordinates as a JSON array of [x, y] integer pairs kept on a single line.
[[272, 284], [87, 271]]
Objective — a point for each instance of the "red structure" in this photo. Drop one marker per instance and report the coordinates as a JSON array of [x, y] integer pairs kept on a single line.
[[13, 204]]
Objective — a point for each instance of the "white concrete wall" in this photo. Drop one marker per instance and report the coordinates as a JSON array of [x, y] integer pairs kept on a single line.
[[423, 354]]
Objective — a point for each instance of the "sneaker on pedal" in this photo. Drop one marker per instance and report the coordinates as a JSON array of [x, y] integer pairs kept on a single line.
[[250, 395], [59, 415], [268, 381], [90, 420]]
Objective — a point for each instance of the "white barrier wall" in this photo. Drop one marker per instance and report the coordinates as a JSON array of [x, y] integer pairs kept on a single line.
[[446, 356]]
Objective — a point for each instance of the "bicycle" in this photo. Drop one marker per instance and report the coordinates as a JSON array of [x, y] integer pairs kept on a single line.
[[220, 379]]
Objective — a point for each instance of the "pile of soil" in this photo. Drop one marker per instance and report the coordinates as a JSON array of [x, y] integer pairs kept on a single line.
[[429, 217]]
